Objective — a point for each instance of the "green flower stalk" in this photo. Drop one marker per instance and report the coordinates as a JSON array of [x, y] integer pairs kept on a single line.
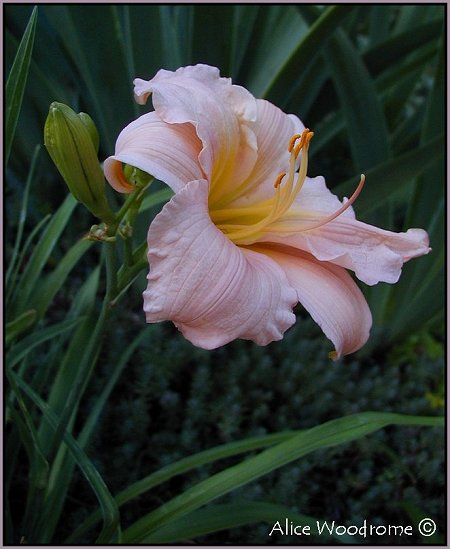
[[72, 141]]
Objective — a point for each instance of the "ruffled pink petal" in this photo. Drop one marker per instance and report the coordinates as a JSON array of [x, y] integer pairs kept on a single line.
[[273, 130], [168, 152], [375, 255], [212, 290], [330, 296], [222, 114]]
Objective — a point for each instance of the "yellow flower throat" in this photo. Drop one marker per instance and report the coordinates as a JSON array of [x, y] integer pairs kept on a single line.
[[242, 224], [247, 224]]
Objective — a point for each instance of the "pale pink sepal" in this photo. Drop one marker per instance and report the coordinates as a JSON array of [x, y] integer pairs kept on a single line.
[[330, 296], [212, 290], [222, 114], [375, 255], [168, 152]]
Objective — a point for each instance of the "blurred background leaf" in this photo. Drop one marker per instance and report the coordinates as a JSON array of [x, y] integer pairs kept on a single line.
[[17, 79]]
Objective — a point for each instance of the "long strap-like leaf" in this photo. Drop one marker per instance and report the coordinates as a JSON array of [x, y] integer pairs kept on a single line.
[[232, 515], [332, 433], [110, 512], [17, 79], [183, 466]]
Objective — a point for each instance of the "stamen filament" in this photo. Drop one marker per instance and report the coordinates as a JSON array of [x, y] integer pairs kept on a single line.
[[341, 210], [296, 227], [279, 179], [284, 194]]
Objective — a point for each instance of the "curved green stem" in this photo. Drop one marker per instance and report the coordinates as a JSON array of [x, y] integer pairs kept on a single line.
[[110, 259], [91, 351], [135, 197]]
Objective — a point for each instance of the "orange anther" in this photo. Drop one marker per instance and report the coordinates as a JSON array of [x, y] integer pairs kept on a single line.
[[292, 141], [304, 140], [278, 179]]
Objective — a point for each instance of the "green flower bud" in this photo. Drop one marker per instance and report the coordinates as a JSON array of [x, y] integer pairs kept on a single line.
[[91, 128], [72, 142]]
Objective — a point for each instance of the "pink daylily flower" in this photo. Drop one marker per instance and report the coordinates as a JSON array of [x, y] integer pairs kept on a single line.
[[247, 235]]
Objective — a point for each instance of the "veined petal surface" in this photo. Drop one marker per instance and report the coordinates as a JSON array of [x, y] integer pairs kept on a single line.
[[212, 290], [168, 152], [330, 296], [375, 255], [223, 115], [273, 130]]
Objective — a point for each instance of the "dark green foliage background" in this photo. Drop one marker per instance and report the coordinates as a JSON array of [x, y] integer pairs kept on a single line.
[[167, 407], [368, 106]]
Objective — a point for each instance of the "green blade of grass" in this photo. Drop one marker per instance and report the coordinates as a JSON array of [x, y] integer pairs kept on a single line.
[[276, 34], [379, 23], [22, 217], [393, 174], [47, 377], [366, 126], [182, 466], [403, 137], [83, 307], [232, 515], [19, 325], [155, 199], [66, 386], [287, 74], [332, 433], [39, 466], [52, 283], [81, 30], [43, 250], [411, 16], [110, 512], [302, 98], [244, 18], [147, 37], [20, 351], [65, 471], [121, 15], [66, 373], [386, 61], [430, 187], [100, 402], [177, 22], [14, 286], [89, 338], [17, 79], [387, 53], [37, 477], [419, 296]]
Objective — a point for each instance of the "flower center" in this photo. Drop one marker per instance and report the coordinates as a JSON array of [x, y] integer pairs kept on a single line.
[[246, 224]]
